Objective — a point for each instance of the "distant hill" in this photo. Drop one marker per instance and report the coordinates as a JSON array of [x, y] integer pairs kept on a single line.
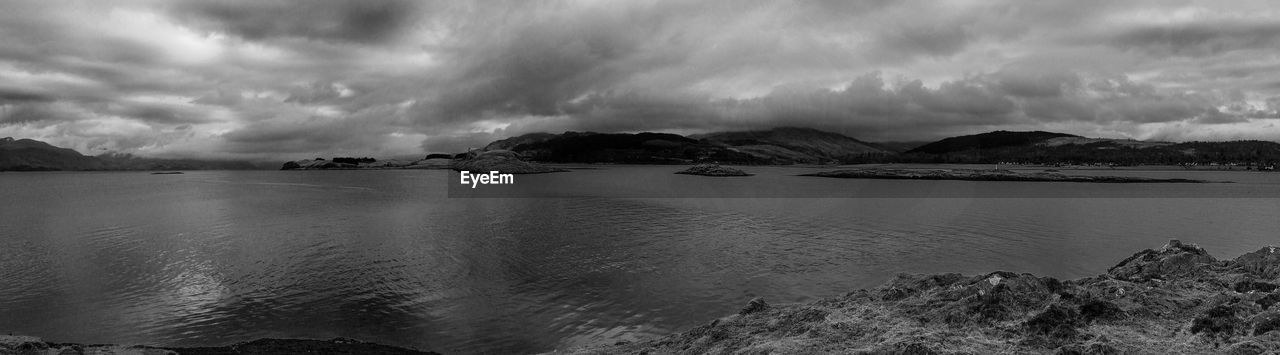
[[1059, 148], [804, 145], [509, 143], [590, 147], [113, 161], [775, 146], [990, 140], [899, 146], [33, 155]]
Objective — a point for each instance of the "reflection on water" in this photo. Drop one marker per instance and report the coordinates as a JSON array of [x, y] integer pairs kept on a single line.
[[220, 257]]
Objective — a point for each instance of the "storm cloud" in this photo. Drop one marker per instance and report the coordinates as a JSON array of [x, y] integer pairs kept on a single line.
[[286, 79]]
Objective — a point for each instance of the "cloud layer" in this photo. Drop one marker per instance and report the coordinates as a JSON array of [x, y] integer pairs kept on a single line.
[[283, 79]]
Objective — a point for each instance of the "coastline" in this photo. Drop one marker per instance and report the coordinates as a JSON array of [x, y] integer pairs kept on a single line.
[[1176, 299]]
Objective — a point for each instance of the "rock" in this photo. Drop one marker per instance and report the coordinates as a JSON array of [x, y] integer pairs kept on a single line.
[[912, 348], [18, 344], [1263, 263], [1254, 286], [1266, 322], [502, 161], [1057, 322], [1095, 309], [1269, 300], [712, 170], [1246, 348], [1013, 296], [1173, 260], [1220, 321], [1100, 347], [905, 285], [755, 305]]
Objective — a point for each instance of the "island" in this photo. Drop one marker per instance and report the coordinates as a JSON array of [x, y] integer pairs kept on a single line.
[[1176, 299], [432, 161], [503, 161], [986, 175], [712, 170]]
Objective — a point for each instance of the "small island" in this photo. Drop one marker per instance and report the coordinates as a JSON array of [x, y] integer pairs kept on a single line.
[[986, 175], [1176, 299], [712, 170], [432, 161], [504, 161]]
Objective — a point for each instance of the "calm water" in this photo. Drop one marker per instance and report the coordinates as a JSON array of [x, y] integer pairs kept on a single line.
[[211, 258]]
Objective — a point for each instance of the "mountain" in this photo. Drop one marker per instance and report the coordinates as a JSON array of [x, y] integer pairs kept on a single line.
[[776, 146], [116, 161], [33, 155], [1059, 148], [509, 143], [590, 147], [899, 146], [804, 145], [989, 140]]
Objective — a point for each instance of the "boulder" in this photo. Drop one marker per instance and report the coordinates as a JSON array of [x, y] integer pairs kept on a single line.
[[756, 305], [1173, 260], [1263, 263]]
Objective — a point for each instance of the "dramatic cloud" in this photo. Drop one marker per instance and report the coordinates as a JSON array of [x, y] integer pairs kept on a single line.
[[284, 79]]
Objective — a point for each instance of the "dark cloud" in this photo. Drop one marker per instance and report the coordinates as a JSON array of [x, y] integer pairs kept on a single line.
[[932, 40], [324, 20], [1199, 39], [19, 96]]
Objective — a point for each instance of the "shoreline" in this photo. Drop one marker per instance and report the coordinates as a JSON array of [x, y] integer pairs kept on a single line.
[[1176, 299]]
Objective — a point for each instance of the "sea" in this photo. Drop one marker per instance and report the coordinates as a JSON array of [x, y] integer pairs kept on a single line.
[[593, 256]]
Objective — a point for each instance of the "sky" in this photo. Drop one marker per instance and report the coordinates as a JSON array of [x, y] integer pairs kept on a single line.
[[292, 79]]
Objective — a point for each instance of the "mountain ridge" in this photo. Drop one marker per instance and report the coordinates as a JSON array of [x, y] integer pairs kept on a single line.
[[782, 145], [33, 155]]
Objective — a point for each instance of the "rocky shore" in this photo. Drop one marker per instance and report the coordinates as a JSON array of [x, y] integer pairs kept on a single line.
[[12, 344], [712, 170], [986, 175], [1174, 300]]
